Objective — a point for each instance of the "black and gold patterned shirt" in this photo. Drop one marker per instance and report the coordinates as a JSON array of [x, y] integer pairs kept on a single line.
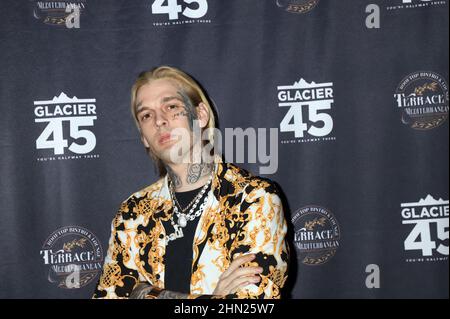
[[243, 214]]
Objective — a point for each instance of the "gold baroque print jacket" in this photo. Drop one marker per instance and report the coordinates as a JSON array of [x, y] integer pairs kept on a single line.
[[243, 214]]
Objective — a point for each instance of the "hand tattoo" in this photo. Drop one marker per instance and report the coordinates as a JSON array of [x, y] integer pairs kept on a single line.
[[143, 289], [167, 294], [140, 291]]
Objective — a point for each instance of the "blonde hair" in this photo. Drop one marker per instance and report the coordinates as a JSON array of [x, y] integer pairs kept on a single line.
[[190, 87]]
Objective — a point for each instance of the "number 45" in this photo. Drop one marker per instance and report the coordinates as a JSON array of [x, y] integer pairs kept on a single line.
[[299, 126], [58, 143], [420, 236], [173, 8]]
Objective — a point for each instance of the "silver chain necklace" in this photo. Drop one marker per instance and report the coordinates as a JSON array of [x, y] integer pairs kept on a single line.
[[193, 202], [183, 218]]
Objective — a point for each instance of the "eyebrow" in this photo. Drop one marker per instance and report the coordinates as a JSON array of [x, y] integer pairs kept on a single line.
[[170, 98], [164, 100], [140, 108]]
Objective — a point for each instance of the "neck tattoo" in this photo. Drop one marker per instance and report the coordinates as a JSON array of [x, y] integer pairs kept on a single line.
[[194, 173], [176, 180], [197, 171]]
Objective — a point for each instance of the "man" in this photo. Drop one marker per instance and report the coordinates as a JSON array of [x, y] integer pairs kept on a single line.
[[205, 229]]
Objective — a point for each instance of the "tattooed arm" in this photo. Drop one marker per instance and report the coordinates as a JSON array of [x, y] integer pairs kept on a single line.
[[147, 291], [235, 277], [167, 294]]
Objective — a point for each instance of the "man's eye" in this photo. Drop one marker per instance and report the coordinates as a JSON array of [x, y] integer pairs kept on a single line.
[[173, 107], [145, 116]]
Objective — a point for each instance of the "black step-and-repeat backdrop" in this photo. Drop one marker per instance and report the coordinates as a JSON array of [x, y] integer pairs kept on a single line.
[[343, 103]]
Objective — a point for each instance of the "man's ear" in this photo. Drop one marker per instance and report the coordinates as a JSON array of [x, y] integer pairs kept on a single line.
[[203, 114], [144, 141]]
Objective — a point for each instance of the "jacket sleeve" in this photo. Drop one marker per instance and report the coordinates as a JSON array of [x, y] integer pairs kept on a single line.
[[119, 274], [263, 234]]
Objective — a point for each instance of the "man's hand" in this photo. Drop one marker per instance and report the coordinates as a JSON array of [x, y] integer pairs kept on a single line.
[[236, 277], [230, 281], [143, 290]]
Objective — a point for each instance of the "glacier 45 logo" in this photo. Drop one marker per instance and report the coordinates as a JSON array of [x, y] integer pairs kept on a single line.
[[309, 105], [428, 232], [62, 113], [191, 9], [419, 1], [412, 4]]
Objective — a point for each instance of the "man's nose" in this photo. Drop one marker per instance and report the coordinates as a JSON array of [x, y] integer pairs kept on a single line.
[[160, 119]]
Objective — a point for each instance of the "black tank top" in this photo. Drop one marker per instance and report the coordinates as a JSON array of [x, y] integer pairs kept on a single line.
[[178, 257]]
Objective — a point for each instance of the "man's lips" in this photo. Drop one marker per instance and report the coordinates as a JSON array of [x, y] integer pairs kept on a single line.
[[164, 138]]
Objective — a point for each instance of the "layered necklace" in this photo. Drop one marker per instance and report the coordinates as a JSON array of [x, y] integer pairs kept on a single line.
[[182, 217]]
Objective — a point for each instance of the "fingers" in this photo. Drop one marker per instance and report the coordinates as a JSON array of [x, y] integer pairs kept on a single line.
[[242, 277], [237, 276], [237, 263], [243, 272], [242, 282]]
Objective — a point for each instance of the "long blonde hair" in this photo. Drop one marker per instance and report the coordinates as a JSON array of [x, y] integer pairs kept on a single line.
[[192, 89]]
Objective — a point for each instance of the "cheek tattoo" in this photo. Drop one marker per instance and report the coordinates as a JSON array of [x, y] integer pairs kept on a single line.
[[182, 113]]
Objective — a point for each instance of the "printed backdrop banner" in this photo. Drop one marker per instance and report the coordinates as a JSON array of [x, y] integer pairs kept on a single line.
[[344, 104]]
